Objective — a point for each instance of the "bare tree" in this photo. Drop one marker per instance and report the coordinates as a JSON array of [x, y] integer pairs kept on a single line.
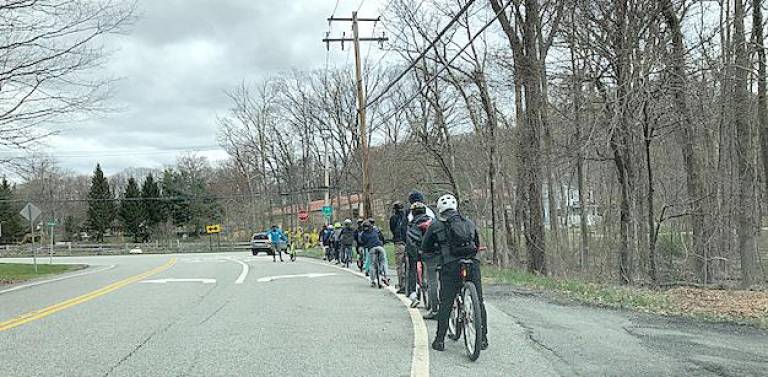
[[49, 52]]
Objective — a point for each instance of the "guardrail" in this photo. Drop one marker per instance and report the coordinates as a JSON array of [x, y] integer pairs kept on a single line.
[[76, 249]]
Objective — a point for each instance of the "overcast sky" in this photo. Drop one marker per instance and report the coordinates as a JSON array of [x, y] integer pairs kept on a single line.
[[176, 63]]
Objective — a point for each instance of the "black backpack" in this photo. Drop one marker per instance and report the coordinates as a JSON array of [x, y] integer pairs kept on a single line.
[[461, 236]]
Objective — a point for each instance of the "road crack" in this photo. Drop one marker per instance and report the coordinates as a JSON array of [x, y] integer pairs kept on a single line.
[[214, 312], [139, 347]]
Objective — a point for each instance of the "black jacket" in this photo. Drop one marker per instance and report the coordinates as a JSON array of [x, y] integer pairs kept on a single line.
[[436, 239], [415, 235], [347, 236], [398, 224]]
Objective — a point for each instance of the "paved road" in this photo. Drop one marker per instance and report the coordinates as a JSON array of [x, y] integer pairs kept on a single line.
[[259, 319]]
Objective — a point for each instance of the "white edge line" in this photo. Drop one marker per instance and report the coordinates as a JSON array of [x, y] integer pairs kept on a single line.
[[420, 357], [87, 272], [244, 273]]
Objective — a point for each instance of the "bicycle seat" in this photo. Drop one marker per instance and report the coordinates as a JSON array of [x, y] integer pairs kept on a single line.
[[466, 261]]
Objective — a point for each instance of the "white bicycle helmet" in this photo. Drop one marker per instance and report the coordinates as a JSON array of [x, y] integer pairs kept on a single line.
[[447, 202]]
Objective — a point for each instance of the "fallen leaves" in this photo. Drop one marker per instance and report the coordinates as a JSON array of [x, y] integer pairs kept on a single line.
[[720, 303]]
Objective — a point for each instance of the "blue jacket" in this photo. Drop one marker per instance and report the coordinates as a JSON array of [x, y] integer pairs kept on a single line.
[[370, 238], [326, 236], [276, 235]]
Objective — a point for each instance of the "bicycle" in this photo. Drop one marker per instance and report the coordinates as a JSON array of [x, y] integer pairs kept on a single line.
[[360, 259], [292, 252], [466, 317]]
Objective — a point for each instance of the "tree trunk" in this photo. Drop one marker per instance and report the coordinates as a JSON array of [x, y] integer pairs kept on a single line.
[[687, 140], [745, 221]]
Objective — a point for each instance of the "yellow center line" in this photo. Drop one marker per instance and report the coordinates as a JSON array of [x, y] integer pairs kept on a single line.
[[37, 314]]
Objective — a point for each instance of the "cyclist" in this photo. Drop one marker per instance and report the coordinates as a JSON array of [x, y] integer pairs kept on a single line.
[[276, 237], [362, 262], [371, 239], [346, 241], [416, 229], [443, 238], [335, 242], [325, 240], [398, 223], [418, 197]]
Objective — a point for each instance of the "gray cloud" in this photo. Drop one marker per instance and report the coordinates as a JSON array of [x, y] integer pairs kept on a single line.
[[175, 66]]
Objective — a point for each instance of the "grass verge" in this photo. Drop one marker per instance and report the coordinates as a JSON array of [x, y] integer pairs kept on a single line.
[[740, 307], [17, 272]]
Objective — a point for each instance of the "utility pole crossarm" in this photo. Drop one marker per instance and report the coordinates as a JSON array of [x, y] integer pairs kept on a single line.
[[353, 19], [371, 39]]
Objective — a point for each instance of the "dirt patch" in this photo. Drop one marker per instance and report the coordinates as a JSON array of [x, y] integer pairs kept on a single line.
[[721, 303]]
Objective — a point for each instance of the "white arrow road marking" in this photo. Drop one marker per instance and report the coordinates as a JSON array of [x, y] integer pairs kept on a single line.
[[244, 273], [163, 281], [273, 278]]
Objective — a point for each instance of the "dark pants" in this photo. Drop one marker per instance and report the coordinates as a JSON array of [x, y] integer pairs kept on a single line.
[[430, 272], [450, 286], [276, 251], [411, 272]]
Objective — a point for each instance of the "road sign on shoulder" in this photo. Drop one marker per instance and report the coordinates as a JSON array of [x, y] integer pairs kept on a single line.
[[215, 228], [30, 212], [327, 211]]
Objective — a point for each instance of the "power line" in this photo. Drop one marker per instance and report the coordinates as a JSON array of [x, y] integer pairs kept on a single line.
[[446, 65], [422, 54]]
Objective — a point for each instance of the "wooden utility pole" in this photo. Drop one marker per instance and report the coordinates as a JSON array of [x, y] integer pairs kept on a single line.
[[361, 102]]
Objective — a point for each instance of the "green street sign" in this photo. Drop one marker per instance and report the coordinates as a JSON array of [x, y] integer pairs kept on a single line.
[[51, 223], [327, 211]]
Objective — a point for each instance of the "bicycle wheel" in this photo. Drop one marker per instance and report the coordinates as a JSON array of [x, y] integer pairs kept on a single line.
[[454, 322], [472, 320]]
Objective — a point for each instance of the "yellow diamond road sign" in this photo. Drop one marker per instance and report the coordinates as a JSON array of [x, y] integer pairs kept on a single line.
[[216, 228]]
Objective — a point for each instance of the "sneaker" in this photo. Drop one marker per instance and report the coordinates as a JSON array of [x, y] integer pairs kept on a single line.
[[385, 281], [373, 284], [430, 316], [414, 300], [401, 290], [438, 345]]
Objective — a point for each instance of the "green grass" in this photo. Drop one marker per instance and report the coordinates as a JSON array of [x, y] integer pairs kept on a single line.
[[591, 293], [604, 295], [17, 272]]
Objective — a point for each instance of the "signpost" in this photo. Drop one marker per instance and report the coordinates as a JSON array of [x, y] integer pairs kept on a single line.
[[31, 212], [328, 212], [303, 216], [213, 229]]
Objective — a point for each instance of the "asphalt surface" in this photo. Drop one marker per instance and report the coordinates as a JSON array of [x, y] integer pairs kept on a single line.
[[264, 320], [587, 341]]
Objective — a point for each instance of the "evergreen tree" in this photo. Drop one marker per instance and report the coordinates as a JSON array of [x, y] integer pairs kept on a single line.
[[153, 210], [12, 222], [101, 209], [131, 212]]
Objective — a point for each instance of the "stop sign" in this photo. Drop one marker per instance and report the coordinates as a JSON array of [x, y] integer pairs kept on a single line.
[[303, 215]]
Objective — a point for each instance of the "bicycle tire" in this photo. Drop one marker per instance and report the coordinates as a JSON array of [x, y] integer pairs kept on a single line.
[[455, 325], [472, 321]]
